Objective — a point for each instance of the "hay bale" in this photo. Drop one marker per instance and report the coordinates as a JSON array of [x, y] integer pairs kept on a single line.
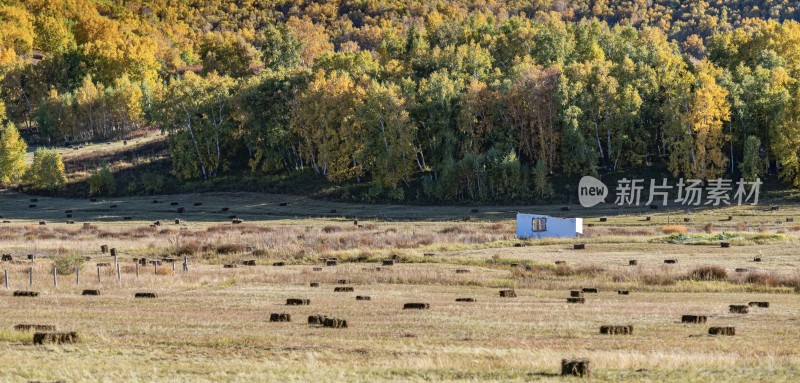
[[693, 318], [34, 327], [730, 218], [317, 269], [112, 206], [591, 290], [113, 251], [579, 246], [70, 222], [127, 218], [724, 330], [741, 270], [298, 302], [279, 264], [156, 201], [759, 304], [169, 260], [603, 219], [515, 265], [237, 221], [42, 223], [198, 204], [90, 292], [428, 254], [576, 300], [739, 309], [363, 298], [617, 329], [648, 218], [623, 292], [229, 266], [575, 367], [7, 257], [181, 210], [724, 245], [314, 284], [331, 262], [177, 221], [757, 259], [462, 271], [316, 319], [145, 295], [789, 219], [103, 264], [465, 299], [280, 317], [670, 261], [224, 209], [774, 208], [55, 337], [343, 282], [561, 262], [388, 262], [416, 306], [687, 220], [25, 293], [508, 293], [34, 200], [173, 203], [31, 206], [633, 262], [576, 293], [345, 289], [283, 204], [249, 262], [68, 216], [334, 323]]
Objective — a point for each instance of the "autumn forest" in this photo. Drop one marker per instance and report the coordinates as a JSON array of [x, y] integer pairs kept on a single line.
[[446, 100]]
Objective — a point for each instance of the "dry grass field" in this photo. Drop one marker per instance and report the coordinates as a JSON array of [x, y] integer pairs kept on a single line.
[[212, 324]]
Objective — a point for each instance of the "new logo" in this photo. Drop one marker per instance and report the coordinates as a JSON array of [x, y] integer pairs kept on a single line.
[[591, 191]]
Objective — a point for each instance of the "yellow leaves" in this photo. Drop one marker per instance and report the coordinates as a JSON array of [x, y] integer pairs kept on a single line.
[[16, 35], [12, 155], [314, 38]]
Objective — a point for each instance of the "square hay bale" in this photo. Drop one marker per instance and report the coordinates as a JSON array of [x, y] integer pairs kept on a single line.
[[670, 261], [156, 201], [317, 269], [113, 251], [103, 264], [579, 246], [416, 306], [177, 221], [648, 218], [343, 281], [68, 216], [173, 203], [623, 292], [617, 329], [739, 309], [724, 245], [331, 262], [70, 222], [224, 209], [723, 330], [363, 298], [789, 219], [55, 337], [280, 317], [759, 304], [742, 270], [316, 319], [465, 299], [388, 262], [561, 263], [575, 367], [314, 284], [145, 295], [334, 323], [31, 206], [7, 257], [590, 290], [34, 200], [90, 292], [298, 302], [181, 210], [279, 264], [576, 300], [25, 293], [237, 221], [508, 293], [633, 262], [687, 220], [694, 319], [112, 207], [128, 218], [757, 259], [42, 223], [229, 266], [576, 293], [34, 327], [249, 262], [462, 271], [346, 289], [283, 204], [428, 254], [603, 219]]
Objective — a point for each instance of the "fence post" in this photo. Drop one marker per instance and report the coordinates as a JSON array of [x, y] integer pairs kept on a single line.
[[137, 269], [55, 278], [77, 276], [30, 276], [115, 258], [185, 264], [173, 267], [155, 267], [119, 276], [98, 274], [5, 275]]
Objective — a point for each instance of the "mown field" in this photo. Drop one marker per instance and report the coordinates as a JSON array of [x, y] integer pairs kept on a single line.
[[211, 324]]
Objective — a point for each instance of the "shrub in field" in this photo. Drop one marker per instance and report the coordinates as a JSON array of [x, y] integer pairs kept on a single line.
[[675, 229], [67, 264], [101, 182], [708, 273]]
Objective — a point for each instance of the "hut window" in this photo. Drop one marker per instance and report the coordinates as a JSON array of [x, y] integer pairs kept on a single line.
[[539, 224]]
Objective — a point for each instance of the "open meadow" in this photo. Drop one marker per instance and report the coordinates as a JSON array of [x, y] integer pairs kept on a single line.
[[212, 322]]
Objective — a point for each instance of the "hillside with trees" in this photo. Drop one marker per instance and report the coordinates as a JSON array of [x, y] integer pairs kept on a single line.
[[450, 100]]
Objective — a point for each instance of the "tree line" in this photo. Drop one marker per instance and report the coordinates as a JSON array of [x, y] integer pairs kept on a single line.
[[452, 101]]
